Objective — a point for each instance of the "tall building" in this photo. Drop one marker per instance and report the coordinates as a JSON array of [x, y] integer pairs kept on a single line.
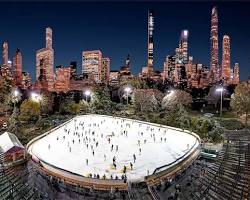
[[150, 41], [92, 64], [47, 55], [184, 45], [105, 70], [236, 77], [17, 66], [73, 69], [225, 58], [214, 61], [169, 68], [5, 53]]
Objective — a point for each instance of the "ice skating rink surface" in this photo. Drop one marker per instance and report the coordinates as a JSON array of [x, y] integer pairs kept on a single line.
[[90, 145]]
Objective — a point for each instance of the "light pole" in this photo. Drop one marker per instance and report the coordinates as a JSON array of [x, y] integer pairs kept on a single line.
[[38, 99], [87, 93], [127, 90], [15, 98], [221, 89]]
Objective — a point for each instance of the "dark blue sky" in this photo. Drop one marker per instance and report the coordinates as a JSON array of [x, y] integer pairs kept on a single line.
[[121, 28]]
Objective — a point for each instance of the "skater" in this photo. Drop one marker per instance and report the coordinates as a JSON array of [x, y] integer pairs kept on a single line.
[[124, 169], [145, 141], [93, 152], [49, 146], [114, 159], [116, 147], [69, 149], [140, 150], [87, 161], [114, 165], [112, 147], [134, 157], [131, 165], [105, 157]]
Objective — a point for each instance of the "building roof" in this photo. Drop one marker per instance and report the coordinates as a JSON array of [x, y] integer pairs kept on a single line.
[[8, 141]]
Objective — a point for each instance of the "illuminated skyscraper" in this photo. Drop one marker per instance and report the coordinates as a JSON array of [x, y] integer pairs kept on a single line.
[[184, 45], [105, 70], [226, 58], [17, 66], [5, 53], [150, 41], [47, 55], [92, 64], [236, 78], [214, 62]]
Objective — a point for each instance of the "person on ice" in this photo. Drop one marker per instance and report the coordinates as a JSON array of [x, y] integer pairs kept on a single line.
[[124, 169], [131, 165], [116, 147], [134, 157], [87, 161]]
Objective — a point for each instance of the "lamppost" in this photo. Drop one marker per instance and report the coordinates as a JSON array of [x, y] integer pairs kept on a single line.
[[220, 89], [15, 98], [87, 93], [127, 90], [38, 99]]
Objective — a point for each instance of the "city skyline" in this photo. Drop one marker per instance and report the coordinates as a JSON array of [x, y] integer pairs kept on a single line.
[[67, 51]]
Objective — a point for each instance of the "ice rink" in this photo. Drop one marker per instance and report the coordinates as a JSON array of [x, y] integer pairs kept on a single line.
[[83, 146]]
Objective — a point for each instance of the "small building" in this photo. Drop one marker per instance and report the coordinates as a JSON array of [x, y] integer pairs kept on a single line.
[[11, 148]]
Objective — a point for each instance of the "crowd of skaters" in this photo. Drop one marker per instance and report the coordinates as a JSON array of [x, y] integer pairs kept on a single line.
[[84, 134]]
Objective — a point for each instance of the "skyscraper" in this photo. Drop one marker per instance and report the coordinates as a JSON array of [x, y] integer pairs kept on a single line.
[[226, 58], [5, 53], [214, 62], [105, 69], [92, 64], [17, 65], [236, 78], [150, 41], [184, 45], [47, 55]]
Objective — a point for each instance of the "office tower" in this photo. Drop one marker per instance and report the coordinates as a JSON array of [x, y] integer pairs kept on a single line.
[[214, 62], [150, 41], [46, 55], [105, 70], [169, 68], [73, 69], [226, 58], [17, 66], [92, 64], [5, 53], [236, 78], [184, 45]]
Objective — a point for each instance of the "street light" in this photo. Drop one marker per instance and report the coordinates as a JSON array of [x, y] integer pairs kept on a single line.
[[15, 98], [87, 93], [220, 89], [127, 90], [36, 97]]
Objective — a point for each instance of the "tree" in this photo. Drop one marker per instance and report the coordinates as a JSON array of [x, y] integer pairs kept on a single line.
[[144, 100], [29, 110], [74, 108], [240, 101], [5, 95], [176, 97]]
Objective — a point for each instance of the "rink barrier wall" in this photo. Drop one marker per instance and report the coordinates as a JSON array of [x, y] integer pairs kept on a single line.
[[107, 184]]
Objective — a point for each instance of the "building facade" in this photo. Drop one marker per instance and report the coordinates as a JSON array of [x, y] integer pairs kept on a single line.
[[105, 70], [225, 59], [17, 67], [92, 64], [150, 42], [236, 71], [214, 47], [46, 55]]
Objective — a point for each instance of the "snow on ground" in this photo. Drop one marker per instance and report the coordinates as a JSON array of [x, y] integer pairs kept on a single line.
[[82, 146]]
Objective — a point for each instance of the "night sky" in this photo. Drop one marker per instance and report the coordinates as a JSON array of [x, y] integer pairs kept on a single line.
[[120, 28]]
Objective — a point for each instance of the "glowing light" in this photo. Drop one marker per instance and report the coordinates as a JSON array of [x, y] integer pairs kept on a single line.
[[87, 92], [36, 97], [127, 89], [220, 89]]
